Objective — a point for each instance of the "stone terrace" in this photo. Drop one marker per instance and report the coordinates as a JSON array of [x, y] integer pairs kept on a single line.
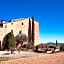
[[55, 58]]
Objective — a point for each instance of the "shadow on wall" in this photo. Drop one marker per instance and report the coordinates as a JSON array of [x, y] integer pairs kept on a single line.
[[4, 43], [29, 31], [20, 39]]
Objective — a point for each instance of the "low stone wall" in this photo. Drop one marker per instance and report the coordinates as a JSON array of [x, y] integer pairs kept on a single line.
[[57, 50], [49, 52]]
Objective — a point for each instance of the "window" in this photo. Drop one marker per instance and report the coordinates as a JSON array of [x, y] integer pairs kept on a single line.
[[12, 23], [19, 32], [11, 30], [22, 23], [5, 26]]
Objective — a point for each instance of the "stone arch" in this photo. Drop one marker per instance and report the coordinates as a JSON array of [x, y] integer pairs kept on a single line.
[[0, 45], [4, 43]]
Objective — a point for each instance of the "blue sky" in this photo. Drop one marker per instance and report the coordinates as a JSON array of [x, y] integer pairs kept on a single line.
[[49, 13]]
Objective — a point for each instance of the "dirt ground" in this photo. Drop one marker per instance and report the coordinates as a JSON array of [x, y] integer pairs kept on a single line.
[[55, 58], [16, 54]]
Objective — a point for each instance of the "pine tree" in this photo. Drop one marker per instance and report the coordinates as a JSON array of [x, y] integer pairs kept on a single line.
[[56, 43], [11, 41]]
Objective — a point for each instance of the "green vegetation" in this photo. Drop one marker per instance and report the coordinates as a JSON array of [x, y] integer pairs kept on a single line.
[[54, 46], [11, 41], [56, 43], [24, 49], [11, 58], [4, 58], [30, 45], [62, 47], [22, 38], [57, 47]]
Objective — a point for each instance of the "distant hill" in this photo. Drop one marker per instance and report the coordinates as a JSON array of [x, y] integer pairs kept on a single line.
[[54, 43]]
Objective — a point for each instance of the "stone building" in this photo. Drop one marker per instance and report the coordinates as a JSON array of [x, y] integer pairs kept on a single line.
[[20, 26]]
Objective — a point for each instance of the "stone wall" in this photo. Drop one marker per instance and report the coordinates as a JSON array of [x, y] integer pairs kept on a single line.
[[36, 34], [19, 25]]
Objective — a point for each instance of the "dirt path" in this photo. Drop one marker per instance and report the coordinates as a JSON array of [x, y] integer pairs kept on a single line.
[[19, 55], [56, 58]]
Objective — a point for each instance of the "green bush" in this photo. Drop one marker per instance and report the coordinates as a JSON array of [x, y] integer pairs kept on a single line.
[[62, 47], [21, 39], [57, 47], [30, 45], [51, 46], [4, 58], [24, 49], [54, 46]]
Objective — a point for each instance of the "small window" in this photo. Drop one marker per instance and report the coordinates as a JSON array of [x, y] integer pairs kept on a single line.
[[19, 32], [12, 23], [5, 26], [22, 23], [11, 30]]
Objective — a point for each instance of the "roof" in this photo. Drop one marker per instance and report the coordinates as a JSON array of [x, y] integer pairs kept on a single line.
[[14, 20]]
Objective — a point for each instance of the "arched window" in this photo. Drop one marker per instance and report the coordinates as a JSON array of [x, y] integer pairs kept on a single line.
[[12, 23], [22, 23]]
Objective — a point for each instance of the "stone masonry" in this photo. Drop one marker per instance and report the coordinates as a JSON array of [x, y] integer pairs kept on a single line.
[[20, 26]]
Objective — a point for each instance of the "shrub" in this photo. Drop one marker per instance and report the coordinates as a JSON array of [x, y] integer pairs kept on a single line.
[[56, 43], [57, 47], [30, 45], [21, 39], [62, 47], [24, 49], [52, 47]]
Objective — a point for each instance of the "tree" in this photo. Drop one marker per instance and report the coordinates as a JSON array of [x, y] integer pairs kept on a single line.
[[30, 45], [56, 43], [11, 41], [21, 38]]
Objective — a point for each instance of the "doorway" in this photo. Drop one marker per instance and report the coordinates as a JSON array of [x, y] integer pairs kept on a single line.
[[0, 45]]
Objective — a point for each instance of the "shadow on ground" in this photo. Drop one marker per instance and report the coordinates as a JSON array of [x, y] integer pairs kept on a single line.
[[7, 53]]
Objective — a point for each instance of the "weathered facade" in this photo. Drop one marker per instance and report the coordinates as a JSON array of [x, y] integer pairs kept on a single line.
[[20, 26]]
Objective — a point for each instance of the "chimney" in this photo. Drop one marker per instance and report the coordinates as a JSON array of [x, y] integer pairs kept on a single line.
[[2, 21]]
